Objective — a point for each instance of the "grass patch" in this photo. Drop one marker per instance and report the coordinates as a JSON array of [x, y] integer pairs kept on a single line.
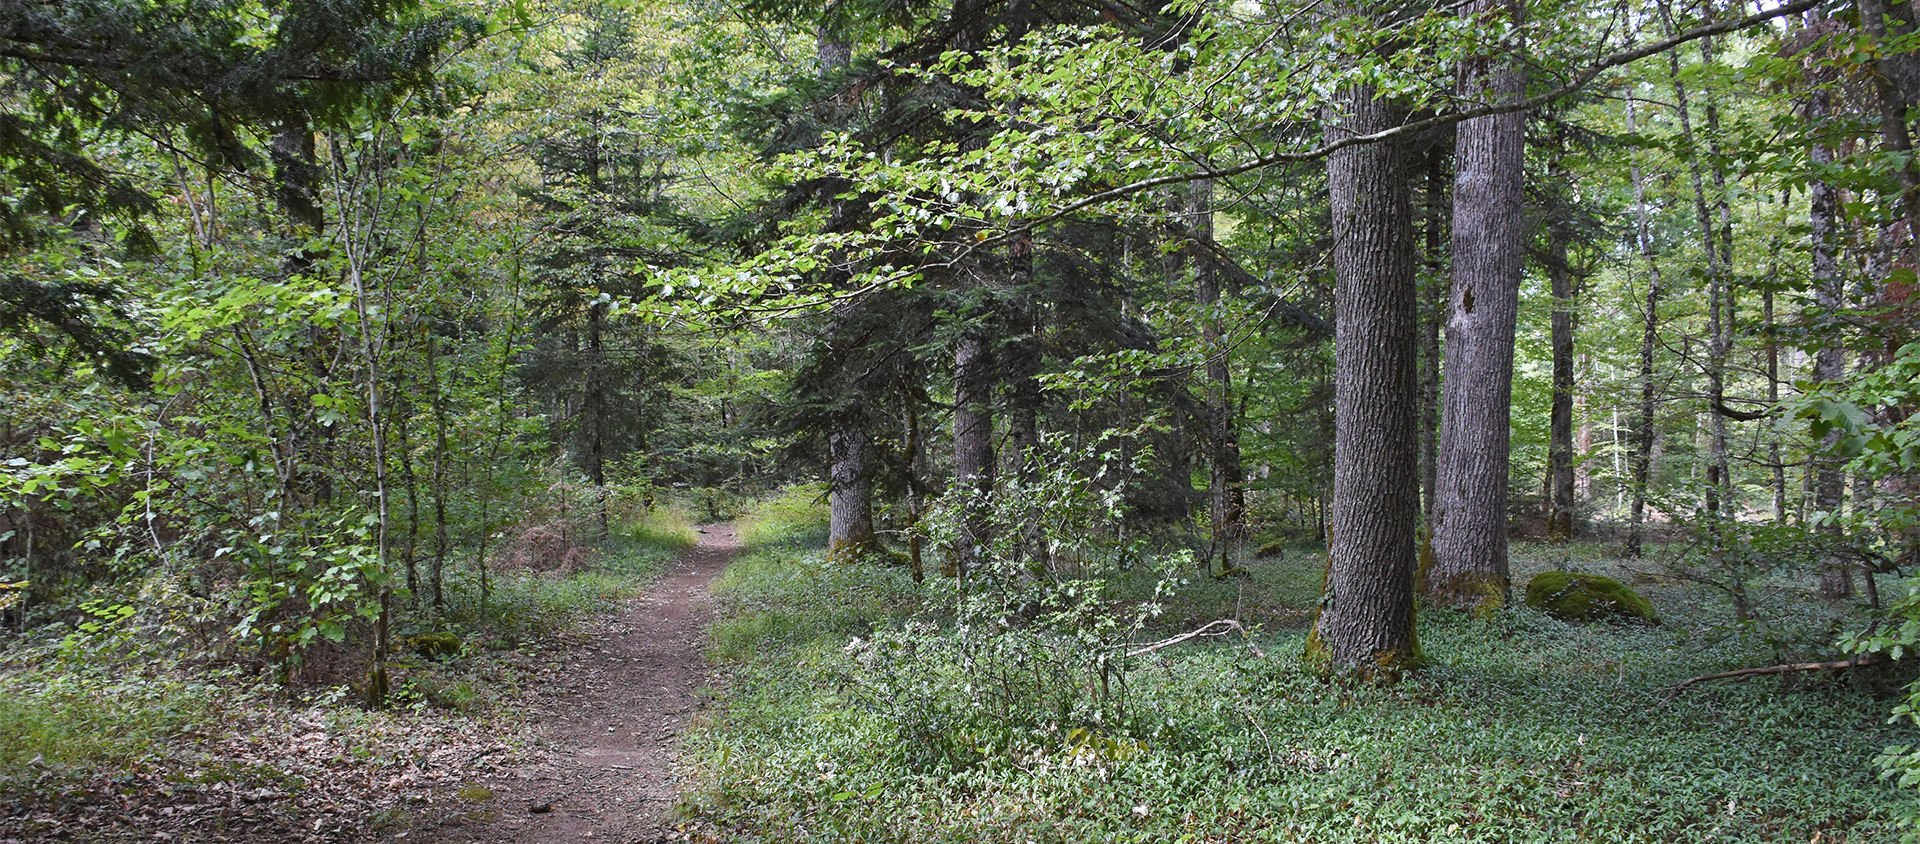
[[525, 606], [796, 517], [668, 529], [79, 716], [1525, 729]]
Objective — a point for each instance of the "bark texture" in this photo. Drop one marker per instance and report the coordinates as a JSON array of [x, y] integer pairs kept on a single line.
[[1469, 568], [1365, 623], [972, 444], [849, 498], [850, 533]]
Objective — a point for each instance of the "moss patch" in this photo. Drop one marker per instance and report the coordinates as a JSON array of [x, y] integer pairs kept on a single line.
[[1587, 597]]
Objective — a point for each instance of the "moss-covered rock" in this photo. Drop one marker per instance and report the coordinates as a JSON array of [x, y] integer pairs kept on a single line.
[[1587, 597]]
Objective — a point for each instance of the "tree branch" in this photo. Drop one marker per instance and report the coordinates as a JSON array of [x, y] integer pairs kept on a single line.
[[1580, 80], [1856, 662]]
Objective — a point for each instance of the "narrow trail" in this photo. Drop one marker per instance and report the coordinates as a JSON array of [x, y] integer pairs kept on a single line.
[[614, 714]]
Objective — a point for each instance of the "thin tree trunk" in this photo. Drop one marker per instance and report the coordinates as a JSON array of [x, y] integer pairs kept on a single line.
[[1560, 457], [1829, 363], [411, 482], [916, 506], [1023, 399], [1469, 568], [370, 359], [1644, 433], [593, 406], [436, 572], [1366, 619], [1226, 488], [1717, 466], [973, 445]]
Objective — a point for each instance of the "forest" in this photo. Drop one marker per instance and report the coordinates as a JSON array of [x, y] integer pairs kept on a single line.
[[1028, 420]]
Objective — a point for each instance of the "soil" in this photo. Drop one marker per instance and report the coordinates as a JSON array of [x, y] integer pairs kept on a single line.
[[611, 722]]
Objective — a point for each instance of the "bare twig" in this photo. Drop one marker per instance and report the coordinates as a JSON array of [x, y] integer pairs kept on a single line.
[[1212, 628]]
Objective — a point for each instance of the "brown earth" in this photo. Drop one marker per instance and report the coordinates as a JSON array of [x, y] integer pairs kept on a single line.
[[610, 724]]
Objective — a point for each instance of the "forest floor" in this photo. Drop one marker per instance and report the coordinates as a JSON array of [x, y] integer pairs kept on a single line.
[[609, 722]]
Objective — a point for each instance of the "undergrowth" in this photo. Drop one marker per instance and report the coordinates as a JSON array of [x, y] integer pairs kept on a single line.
[[1526, 729]]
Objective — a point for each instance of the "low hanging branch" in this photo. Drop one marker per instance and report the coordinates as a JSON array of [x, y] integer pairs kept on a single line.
[[1212, 628], [1856, 662], [1721, 408]]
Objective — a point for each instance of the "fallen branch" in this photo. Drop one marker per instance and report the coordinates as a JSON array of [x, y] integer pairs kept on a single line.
[[1211, 628], [1855, 662]]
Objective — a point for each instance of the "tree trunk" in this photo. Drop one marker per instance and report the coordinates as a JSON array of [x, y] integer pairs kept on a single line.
[[1469, 568], [916, 500], [850, 534], [437, 572], [1226, 488], [1023, 400], [1829, 363], [1893, 102], [1560, 455], [972, 445], [1717, 467], [1366, 620], [1644, 433]]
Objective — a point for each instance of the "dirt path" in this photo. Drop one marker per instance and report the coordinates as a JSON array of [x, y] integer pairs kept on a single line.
[[614, 716]]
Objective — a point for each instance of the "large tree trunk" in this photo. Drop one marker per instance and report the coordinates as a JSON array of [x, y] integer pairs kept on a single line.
[[1643, 432], [850, 532], [1469, 568], [1366, 620]]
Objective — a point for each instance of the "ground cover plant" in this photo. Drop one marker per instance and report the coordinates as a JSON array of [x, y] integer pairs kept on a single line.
[[1523, 728]]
